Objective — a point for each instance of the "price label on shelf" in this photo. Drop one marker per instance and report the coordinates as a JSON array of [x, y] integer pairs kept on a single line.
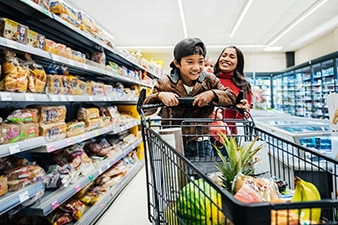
[[23, 196], [11, 44], [50, 148], [77, 188], [83, 137], [54, 98], [70, 98], [91, 177], [69, 142], [55, 204], [13, 149], [63, 98], [29, 97], [6, 96], [91, 98]]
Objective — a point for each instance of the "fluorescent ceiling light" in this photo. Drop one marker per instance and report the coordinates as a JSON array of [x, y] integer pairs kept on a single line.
[[172, 47], [145, 47], [246, 8], [273, 48], [180, 6], [300, 19]]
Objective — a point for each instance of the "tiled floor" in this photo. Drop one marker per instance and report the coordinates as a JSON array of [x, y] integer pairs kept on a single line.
[[130, 207]]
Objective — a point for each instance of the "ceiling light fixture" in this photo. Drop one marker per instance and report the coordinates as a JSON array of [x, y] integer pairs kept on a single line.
[[300, 19], [180, 7], [246, 8]]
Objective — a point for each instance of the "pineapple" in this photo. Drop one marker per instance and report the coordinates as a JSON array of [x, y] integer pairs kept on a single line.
[[239, 160]]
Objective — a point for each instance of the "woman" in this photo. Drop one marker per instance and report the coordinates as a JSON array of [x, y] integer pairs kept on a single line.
[[229, 69]]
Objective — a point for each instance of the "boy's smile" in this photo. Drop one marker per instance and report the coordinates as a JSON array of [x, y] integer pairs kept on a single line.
[[191, 67]]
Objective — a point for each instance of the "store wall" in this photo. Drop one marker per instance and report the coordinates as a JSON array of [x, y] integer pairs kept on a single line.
[[318, 48]]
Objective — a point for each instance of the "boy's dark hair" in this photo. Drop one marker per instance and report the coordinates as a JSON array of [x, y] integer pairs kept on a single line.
[[188, 46]]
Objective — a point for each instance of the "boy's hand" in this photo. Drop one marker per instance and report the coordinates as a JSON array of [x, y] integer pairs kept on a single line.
[[168, 98], [203, 99]]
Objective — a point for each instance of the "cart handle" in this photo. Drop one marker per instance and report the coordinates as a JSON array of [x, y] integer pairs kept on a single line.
[[182, 100]]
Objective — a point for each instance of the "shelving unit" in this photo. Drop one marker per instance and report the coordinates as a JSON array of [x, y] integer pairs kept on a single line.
[[302, 90], [53, 27], [261, 83]]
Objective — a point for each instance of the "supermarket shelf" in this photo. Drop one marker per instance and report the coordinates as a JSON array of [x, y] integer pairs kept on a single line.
[[53, 146], [21, 146], [55, 28], [93, 213], [53, 199], [47, 58], [15, 198]]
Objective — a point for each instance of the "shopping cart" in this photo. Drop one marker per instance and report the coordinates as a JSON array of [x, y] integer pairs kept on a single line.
[[180, 190]]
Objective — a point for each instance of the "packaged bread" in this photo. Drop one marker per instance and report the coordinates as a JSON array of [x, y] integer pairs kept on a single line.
[[75, 128], [30, 130], [53, 131], [88, 113], [70, 85], [52, 114], [3, 185], [15, 74], [105, 121], [93, 124], [29, 115], [55, 84], [50, 46], [15, 185], [10, 132], [37, 77]]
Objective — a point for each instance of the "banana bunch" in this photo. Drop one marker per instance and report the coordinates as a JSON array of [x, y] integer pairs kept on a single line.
[[307, 191]]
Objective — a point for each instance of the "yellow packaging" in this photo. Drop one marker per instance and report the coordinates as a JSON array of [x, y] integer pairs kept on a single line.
[[35, 39], [12, 30]]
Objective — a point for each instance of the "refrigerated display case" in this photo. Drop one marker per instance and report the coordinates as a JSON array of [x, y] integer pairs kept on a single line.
[[302, 90], [308, 132]]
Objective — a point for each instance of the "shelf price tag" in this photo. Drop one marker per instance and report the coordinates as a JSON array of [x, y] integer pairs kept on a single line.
[[6, 96], [54, 98], [91, 177], [50, 148], [91, 98], [70, 98], [23, 196], [77, 188], [69, 142], [29, 97], [63, 98], [13, 149], [11, 44], [55, 204]]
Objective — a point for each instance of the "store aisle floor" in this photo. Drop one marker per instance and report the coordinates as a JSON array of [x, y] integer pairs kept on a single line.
[[130, 207]]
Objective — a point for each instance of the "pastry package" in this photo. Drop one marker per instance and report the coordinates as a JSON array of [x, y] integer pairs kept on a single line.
[[12, 30], [52, 114], [10, 133], [30, 130], [14, 73], [74, 207], [29, 115], [3, 185], [59, 217], [75, 128], [93, 124], [55, 84], [88, 113], [53, 131], [37, 77]]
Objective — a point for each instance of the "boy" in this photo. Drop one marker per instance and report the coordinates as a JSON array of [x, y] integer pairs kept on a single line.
[[188, 78]]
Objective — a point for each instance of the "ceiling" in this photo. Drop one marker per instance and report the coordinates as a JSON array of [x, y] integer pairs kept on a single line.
[[156, 25]]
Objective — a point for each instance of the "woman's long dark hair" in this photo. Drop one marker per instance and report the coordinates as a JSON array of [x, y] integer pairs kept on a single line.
[[238, 78]]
